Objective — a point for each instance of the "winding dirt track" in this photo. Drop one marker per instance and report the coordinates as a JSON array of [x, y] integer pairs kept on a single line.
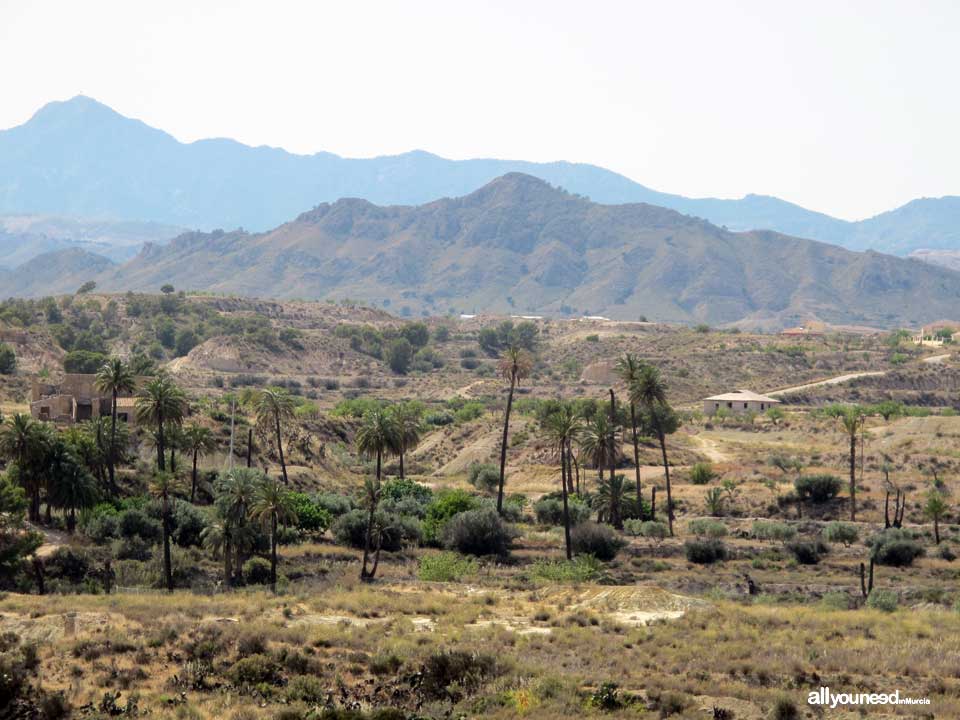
[[932, 360]]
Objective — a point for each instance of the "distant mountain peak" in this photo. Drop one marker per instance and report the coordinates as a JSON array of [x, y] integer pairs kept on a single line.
[[76, 107]]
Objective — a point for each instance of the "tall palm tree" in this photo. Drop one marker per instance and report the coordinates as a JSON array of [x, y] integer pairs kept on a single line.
[[595, 441], [851, 420], [515, 366], [163, 487], [23, 442], [114, 377], [71, 487], [160, 403], [629, 368], [407, 420], [376, 437], [236, 495], [563, 427], [275, 406], [273, 506], [198, 441], [609, 500], [663, 420]]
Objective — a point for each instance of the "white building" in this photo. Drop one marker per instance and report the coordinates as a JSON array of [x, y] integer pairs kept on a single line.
[[739, 402]]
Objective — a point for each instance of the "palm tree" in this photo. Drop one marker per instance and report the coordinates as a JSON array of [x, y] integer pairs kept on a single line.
[[852, 420], [163, 487], [563, 427], [274, 406], [935, 509], [663, 420], [23, 442], [273, 506], [216, 537], [197, 440], [629, 368], [609, 500], [407, 420], [649, 391], [236, 495], [375, 438], [114, 377], [159, 403], [71, 487], [595, 441], [515, 365]]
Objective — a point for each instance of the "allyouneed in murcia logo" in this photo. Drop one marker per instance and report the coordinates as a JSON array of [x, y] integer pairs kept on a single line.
[[824, 696]]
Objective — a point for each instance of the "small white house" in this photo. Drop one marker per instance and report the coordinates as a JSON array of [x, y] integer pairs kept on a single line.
[[739, 403]]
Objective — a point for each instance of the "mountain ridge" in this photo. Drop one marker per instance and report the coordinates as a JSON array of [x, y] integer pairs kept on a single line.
[[519, 245], [79, 157]]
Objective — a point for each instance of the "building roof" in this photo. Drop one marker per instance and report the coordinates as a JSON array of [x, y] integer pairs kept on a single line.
[[743, 396]]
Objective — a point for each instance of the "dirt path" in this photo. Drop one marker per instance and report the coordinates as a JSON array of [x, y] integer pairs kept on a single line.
[[711, 448], [936, 359], [829, 381], [52, 539]]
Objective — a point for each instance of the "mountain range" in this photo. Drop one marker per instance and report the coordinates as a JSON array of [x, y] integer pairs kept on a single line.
[[519, 245], [80, 158]]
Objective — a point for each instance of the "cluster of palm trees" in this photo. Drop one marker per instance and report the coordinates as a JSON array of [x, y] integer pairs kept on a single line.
[[246, 499], [597, 436], [390, 430]]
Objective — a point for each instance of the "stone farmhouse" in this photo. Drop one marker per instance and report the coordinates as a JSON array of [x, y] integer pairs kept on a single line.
[[76, 399], [740, 402]]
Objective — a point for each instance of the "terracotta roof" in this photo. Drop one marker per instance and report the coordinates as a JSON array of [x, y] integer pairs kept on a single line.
[[743, 396]]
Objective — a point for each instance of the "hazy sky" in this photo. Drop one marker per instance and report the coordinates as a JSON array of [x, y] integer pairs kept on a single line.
[[850, 108]]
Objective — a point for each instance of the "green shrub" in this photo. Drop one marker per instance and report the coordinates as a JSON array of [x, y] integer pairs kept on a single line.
[[312, 517], [702, 473], [895, 548], [549, 510], [447, 674], [817, 488], [770, 530], [351, 530], [785, 709], [807, 552], [477, 532], [256, 571], [705, 527], [188, 523], [8, 360], [654, 530], [705, 552], [306, 688], [841, 532], [885, 600], [334, 503], [406, 489], [444, 506], [254, 670], [485, 477], [601, 541], [446, 567], [582, 568]]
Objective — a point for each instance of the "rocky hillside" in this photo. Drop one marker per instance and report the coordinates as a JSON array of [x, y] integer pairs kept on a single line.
[[520, 246]]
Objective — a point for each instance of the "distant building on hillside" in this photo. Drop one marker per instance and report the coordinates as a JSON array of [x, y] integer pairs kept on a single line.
[[801, 332], [933, 337], [740, 402], [76, 399]]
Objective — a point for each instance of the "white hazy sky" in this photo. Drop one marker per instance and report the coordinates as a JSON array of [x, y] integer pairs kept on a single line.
[[850, 108]]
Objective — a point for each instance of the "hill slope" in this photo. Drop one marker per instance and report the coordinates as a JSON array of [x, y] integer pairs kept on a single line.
[[519, 245], [81, 158]]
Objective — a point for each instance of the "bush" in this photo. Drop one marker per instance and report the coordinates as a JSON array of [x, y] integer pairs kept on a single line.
[[334, 504], [306, 688], [439, 418], [67, 564], [705, 552], [785, 709], [650, 529], [188, 523], [444, 506], [447, 673], [702, 473], [256, 571], [895, 548], [477, 532], [885, 600], [817, 488], [446, 567], [770, 530], [254, 670], [841, 532], [399, 355], [398, 489], [484, 477], [601, 541], [83, 361], [807, 552], [134, 522], [582, 568], [351, 530], [704, 527], [549, 510], [131, 548], [312, 517]]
